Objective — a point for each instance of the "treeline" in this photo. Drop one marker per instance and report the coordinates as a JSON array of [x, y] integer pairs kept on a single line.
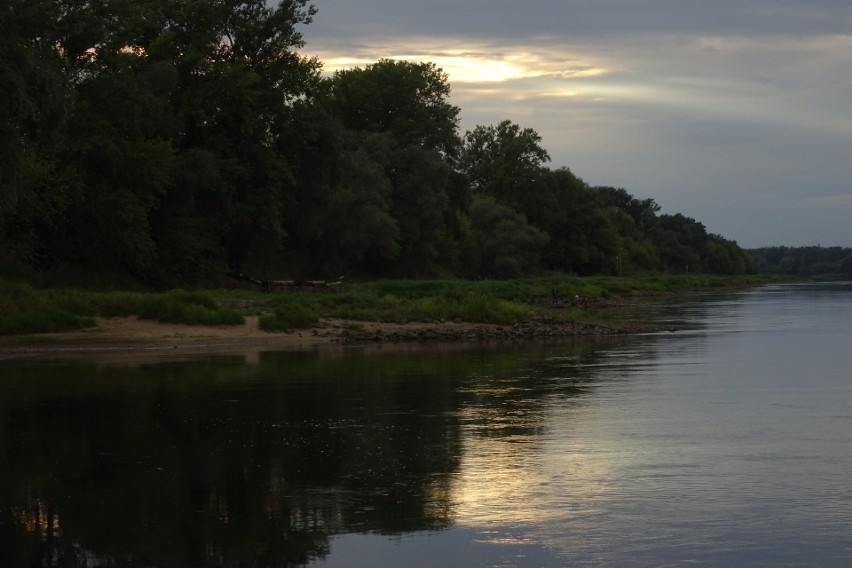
[[174, 141], [807, 262]]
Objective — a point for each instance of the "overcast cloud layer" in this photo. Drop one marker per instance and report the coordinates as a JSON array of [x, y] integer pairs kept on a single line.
[[736, 113]]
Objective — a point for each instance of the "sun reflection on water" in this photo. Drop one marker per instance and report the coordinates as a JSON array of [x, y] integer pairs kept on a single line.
[[514, 474]]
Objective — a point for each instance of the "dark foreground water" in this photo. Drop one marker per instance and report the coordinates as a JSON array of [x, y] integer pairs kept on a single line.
[[727, 444]]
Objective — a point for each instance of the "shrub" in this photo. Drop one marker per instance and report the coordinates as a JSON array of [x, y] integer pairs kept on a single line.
[[43, 320], [388, 301], [118, 304], [194, 298], [487, 309], [185, 307], [289, 315]]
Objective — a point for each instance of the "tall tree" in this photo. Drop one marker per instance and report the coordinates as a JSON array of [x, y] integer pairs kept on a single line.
[[32, 110], [680, 242], [503, 244], [407, 99], [642, 211], [341, 222], [407, 102], [723, 256], [178, 139], [190, 83], [237, 89], [633, 219], [583, 237], [504, 161]]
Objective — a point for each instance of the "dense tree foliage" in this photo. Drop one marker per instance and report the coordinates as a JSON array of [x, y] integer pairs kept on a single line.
[[176, 141], [808, 262]]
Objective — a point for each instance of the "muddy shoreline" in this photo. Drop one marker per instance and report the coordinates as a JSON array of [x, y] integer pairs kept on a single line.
[[123, 335]]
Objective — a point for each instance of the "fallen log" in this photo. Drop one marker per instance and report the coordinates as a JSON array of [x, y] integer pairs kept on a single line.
[[269, 285]]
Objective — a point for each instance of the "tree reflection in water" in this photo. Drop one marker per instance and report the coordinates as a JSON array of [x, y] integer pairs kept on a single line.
[[235, 461]]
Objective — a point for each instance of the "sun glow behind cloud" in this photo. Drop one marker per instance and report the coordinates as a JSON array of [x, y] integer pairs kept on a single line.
[[708, 75], [550, 72], [461, 68], [659, 114], [474, 63]]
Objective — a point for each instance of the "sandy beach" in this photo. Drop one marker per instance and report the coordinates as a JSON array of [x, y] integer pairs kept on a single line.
[[132, 334]]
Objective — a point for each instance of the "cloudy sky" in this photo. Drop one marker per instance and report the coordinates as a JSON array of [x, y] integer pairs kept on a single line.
[[737, 113]]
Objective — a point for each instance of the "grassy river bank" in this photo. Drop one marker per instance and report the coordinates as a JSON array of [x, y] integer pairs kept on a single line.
[[372, 311]]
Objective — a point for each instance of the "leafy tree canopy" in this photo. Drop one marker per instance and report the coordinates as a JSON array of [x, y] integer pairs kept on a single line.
[[173, 142], [502, 160], [409, 100]]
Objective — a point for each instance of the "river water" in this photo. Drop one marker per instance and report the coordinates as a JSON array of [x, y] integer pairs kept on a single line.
[[725, 443]]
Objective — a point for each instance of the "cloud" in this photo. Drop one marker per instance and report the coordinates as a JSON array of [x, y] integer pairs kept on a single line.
[[467, 61], [581, 19], [712, 108], [770, 79]]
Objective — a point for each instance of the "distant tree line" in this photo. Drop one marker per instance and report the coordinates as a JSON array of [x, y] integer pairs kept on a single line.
[[807, 262], [173, 141]]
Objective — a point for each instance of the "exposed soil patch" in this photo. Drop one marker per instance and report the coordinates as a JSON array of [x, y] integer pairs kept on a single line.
[[122, 334]]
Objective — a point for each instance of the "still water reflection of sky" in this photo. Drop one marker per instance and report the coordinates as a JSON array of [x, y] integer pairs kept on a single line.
[[726, 443]]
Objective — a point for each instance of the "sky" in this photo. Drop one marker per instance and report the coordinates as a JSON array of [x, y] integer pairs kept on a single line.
[[737, 113]]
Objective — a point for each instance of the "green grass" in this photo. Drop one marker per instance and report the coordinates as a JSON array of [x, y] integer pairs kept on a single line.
[[28, 310], [194, 308], [43, 320], [397, 301], [290, 315], [24, 309]]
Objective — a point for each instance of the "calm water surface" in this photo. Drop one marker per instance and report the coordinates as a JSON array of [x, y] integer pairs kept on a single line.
[[726, 443]]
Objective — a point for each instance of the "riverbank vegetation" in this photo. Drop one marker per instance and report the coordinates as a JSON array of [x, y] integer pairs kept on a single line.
[[159, 148], [818, 262], [166, 144], [25, 309]]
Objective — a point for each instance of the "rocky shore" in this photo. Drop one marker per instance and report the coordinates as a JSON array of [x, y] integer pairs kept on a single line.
[[429, 332], [132, 334]]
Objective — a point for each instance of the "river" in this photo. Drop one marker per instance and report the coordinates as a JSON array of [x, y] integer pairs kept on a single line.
[[725, 443]]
